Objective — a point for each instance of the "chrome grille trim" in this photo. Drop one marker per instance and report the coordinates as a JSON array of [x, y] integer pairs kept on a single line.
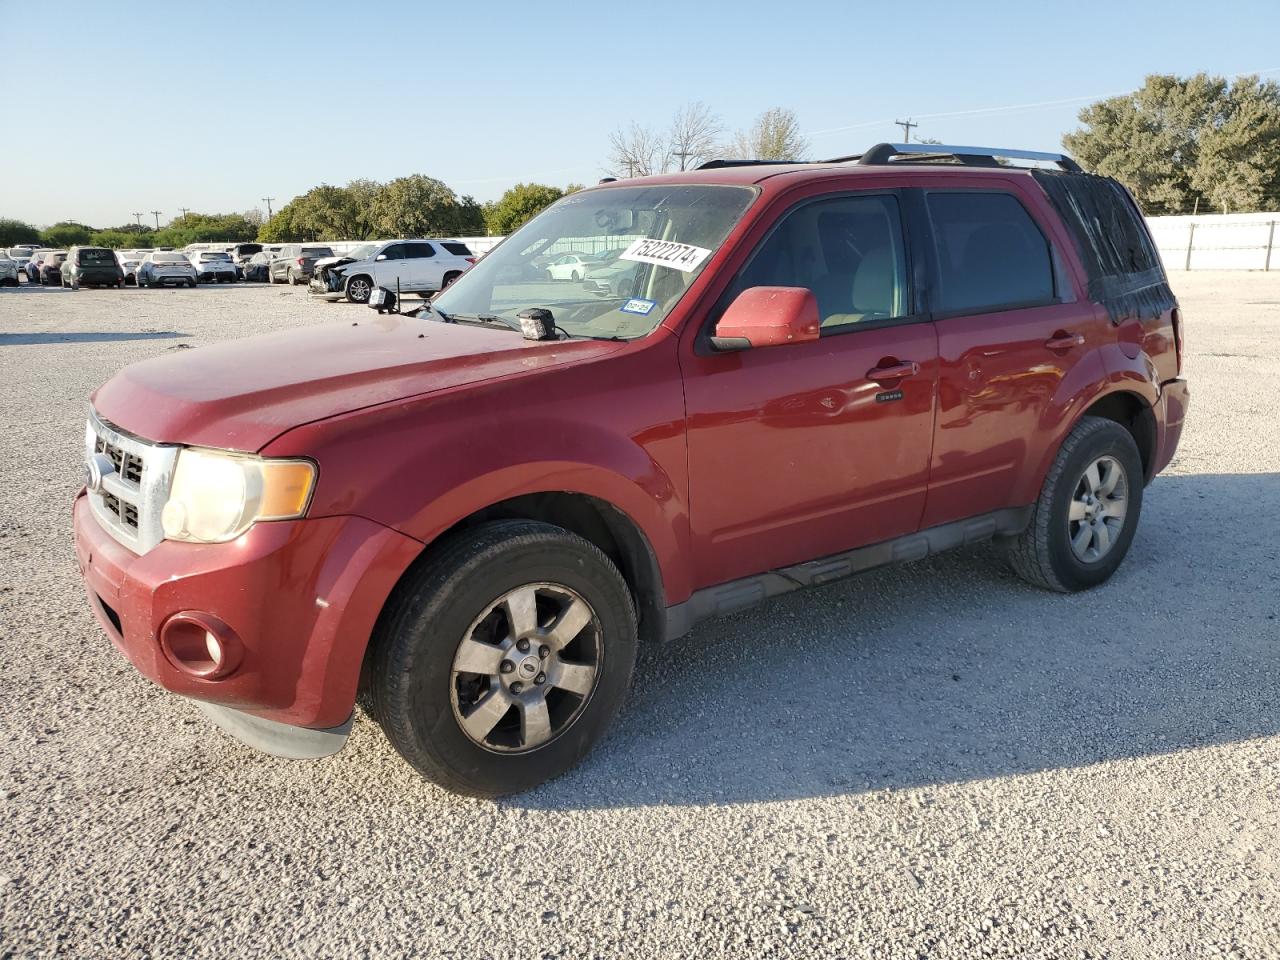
[[131, 496]]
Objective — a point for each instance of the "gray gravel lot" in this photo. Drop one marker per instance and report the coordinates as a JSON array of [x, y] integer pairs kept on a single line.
[[932, 761]]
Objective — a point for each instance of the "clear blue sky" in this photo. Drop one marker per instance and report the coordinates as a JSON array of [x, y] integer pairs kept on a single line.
[[213, 105]]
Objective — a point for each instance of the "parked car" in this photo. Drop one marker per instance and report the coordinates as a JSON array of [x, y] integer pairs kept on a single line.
[[21, 256], [570, 266], [129, 261], [417, 266], [160, 267], [257, 268], [213, 266], [294, 262], [49, 267], [91, 267], [475, 517], [611, 276], [8, 270]]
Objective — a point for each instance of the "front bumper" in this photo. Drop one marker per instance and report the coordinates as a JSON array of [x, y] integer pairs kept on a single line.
[[301, 597]]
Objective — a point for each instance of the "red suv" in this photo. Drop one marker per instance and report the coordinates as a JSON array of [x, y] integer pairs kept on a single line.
[[472, 518]]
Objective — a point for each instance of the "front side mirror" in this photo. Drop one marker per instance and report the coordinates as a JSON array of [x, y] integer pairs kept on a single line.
[[381, 256], [768, 317]]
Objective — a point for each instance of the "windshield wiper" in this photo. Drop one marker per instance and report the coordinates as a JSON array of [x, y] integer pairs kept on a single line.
[[488, 318]]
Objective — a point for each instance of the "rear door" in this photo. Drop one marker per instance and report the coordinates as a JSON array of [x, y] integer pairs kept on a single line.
[[1011, 330], [803, 450], [424, 266]]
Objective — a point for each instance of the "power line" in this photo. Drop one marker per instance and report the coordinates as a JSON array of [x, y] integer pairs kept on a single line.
[[906, 126], [184, 212], [157, 216], [138, 216], [267, 201]]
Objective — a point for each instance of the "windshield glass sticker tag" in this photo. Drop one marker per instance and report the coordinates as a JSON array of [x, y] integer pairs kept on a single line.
[[637, 305], [666, 253]]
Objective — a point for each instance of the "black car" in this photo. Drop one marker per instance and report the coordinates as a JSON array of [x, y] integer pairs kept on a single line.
[[257, 267], [91, 267]]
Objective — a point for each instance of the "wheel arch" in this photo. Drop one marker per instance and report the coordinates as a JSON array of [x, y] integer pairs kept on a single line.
[[1134, 413], [597, 521]]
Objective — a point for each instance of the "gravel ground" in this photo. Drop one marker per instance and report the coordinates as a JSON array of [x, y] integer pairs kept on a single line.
[[933, 761]]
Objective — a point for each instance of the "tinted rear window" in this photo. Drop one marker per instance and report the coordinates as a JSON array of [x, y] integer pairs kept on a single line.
[[991, 254], [457, 249], [169, 258], [317, 252], [97, 256]]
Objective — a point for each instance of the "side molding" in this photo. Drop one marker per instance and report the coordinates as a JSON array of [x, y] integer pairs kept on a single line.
[[738, 595]]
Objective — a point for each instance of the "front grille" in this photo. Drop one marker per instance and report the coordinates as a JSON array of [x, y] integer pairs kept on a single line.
[[128, 483]]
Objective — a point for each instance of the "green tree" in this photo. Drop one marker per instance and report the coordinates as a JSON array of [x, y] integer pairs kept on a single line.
[[420, 206], [15, 232], [1185, 142], [68, 233], [205, 228], [518, 205]]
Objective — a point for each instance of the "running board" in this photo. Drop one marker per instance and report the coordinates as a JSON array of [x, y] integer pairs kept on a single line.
[[738, 595]]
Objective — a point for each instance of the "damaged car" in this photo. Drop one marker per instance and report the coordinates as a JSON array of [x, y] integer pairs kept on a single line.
[[409, 266]]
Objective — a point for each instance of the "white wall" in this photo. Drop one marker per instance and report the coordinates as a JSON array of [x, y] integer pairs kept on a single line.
[[1231, 241]]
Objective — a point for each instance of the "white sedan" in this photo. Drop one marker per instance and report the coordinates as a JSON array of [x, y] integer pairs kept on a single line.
[[571, 266], [161, 267]]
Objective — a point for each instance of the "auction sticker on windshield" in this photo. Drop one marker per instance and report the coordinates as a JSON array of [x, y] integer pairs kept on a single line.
[[665, 253]]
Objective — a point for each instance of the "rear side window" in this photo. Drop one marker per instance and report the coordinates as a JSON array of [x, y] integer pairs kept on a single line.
[[419, 251], [991, 255], [457, 249]]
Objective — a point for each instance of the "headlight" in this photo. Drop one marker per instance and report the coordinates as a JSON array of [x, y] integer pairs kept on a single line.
[[215, 496]]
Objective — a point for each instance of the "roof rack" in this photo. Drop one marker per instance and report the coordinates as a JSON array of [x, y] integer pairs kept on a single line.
[[720, 164], [883, 153]]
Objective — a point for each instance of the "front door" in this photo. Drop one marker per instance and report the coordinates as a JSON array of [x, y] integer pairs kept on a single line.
[[803, 450]]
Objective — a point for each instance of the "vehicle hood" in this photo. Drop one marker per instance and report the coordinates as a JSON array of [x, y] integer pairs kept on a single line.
[[242, 394]]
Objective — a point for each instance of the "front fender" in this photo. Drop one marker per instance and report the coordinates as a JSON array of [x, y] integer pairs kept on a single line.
[[613, 431]]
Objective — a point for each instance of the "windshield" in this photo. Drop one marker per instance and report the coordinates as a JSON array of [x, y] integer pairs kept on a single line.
[[654, 239], [168, 258], [317, 252], [97, 256], [362, 252], [215, 256], [19, 251]]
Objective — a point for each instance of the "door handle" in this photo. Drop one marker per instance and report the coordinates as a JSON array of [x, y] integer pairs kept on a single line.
[[893, 371], [1065, 341]]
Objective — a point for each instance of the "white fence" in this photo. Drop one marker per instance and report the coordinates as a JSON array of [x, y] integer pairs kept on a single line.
[[1231, 241]]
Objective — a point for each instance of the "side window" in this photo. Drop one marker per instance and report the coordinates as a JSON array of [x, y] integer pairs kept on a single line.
[[420, 251], [991, 255], [848, 250], [395, 251]]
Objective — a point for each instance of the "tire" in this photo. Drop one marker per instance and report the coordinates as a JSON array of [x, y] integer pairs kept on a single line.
[[191, 284], [550, 278], [359, 289], [271, 277], [449, 278], [575, 276], [293, 279], [1049, 553], [420, 697]]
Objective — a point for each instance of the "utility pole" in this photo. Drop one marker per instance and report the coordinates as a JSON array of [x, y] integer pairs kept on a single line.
[[138, 216], [267, 201], [184, 213], [156, 213], [906, 126]]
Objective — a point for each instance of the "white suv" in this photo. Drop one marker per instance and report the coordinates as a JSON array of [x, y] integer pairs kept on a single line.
[[412, 266]]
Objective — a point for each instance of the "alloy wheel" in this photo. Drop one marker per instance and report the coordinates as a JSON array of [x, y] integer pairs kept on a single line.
[[526, 668], [1098, 507]]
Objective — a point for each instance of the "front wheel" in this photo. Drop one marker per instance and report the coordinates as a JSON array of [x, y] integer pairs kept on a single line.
[[359, 289], [1085, 518], [498, 665]]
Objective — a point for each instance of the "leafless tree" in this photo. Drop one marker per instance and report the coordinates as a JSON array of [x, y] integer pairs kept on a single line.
[[775, 135], [636, 152], [695, 132]]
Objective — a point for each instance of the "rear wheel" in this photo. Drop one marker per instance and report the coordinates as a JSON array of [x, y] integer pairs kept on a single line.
[[449, 277], [1087, 513], [499, 665], [359, 289], [293, 278]]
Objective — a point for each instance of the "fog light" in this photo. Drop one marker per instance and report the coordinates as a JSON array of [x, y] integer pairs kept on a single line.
[[200, 645]]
